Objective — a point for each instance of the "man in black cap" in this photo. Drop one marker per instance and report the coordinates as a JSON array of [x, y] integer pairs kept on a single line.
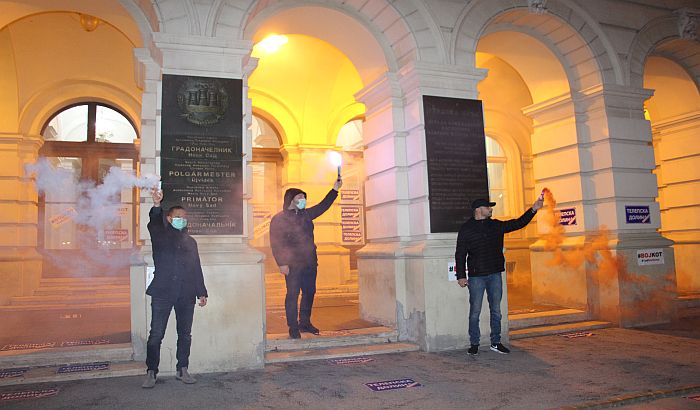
[[292, 242], [480, 251]]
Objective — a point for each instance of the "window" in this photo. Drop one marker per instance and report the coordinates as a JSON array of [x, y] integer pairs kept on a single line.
[[90, 122], [497, 175]]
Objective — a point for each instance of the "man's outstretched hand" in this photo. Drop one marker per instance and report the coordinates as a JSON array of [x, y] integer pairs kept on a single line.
[[157, 196], [338, 184]]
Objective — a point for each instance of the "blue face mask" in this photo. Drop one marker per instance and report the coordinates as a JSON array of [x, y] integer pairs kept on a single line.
[[301, 204], [179, 223]]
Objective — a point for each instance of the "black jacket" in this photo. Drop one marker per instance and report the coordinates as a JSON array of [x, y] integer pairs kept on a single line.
[[178, 271], [480, 244], [292, 231]]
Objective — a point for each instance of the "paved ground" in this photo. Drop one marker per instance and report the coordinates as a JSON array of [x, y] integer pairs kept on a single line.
[[545, 372]]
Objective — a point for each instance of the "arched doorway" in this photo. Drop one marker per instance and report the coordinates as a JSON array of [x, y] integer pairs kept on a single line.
[[673, 112]]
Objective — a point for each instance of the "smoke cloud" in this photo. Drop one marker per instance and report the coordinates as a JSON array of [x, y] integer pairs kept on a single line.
[[92, 208]]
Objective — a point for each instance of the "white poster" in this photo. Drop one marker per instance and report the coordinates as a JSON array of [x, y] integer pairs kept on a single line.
[[650, 257]]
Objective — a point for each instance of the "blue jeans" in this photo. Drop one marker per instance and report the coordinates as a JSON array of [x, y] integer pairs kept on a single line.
[[300, 279], [160, 312], [493, 285]]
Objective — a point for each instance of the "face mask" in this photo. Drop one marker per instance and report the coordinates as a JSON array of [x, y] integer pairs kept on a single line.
[[179, 223], [301, 204]]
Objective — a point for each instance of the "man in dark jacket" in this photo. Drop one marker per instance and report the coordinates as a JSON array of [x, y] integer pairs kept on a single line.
[[292, 242], [177, 283], [480, 245]]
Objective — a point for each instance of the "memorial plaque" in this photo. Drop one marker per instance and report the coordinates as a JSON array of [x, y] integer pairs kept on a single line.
[[456, 151], [201, 152]]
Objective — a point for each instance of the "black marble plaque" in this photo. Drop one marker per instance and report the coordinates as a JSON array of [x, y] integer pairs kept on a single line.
[[456, 151], [201, 146]]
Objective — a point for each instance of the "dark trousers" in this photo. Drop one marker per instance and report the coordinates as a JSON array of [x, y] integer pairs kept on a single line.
[[493, 285], [160, 312], [303, 279]]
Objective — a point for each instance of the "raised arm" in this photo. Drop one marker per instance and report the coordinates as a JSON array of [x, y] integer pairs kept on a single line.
[[318, 210]]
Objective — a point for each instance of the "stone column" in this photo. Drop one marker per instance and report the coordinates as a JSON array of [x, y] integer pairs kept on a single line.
[[229, 333], [677, 154], [20, 263], [600, 161], [403, 274]]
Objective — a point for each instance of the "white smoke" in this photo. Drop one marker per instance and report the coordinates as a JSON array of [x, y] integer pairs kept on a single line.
[[93, 207], [96, 206]]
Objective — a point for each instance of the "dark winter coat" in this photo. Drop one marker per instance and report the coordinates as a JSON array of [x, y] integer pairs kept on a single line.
[[178, 271], [292, 231], [480, 244]]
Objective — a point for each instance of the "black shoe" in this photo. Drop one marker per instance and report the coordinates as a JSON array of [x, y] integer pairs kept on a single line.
[[294, 334], [473, 350], [499, 348], [309, 328]]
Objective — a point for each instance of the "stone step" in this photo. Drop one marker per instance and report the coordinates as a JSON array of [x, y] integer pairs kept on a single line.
[[688, 300], [66, 290], [83, 282], [366, 336], [547, 330], [338, 352], [73, 307], [319, 300], [687, 312], [50, 374], [550, 317], [121, 352], [63, 299]]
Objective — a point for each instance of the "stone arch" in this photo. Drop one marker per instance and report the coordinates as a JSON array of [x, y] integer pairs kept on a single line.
[[574, 36], [661, 37], [403, 31], [41, 106]]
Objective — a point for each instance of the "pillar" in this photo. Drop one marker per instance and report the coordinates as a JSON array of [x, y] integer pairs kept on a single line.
[[229, 333], [403, 269]]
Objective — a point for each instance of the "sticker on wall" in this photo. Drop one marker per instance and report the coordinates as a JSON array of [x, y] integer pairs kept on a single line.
[[567, 216], [650, 257], [451, 272], [116, 235], [637, 214], [90, 342], [63, 218], [392, 384]]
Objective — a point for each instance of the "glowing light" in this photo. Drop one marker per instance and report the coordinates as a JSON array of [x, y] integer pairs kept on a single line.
[[271, 44], [336, 159]]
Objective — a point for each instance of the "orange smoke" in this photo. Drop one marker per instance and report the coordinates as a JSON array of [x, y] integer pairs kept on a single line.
[[643, 295]]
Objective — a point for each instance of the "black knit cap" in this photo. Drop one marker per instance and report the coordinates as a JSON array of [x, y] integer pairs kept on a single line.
[[289, 196], [482, 202]]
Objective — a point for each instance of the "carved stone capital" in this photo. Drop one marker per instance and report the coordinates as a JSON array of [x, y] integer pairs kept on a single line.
[[688, 23], [537, 6]]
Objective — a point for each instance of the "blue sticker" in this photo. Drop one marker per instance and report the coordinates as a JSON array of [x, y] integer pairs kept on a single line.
[[567, 216], [392, 384], [351, 360], [83, 367], [637, 214], [16, 372]]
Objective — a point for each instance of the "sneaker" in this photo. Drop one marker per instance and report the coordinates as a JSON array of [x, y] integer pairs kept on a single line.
[[309, 328], [150, 381], [499, 348], [184, 376], [473, 350], [294, 333]]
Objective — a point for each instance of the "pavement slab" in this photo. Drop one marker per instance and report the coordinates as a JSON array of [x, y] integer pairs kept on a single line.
[[540, 373]]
